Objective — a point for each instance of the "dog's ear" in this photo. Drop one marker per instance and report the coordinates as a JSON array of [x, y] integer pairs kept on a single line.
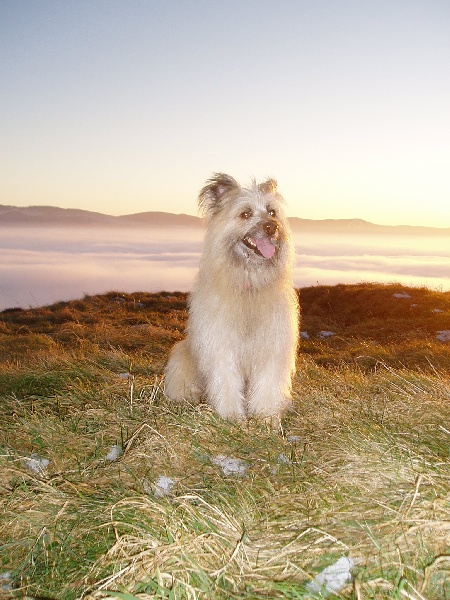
[[215, 188], [269, 187]]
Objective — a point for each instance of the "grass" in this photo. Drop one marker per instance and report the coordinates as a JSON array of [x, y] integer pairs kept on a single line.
[[362, 468]]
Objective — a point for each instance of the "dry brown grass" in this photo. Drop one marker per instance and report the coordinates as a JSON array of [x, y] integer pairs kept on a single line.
[[361, 469]]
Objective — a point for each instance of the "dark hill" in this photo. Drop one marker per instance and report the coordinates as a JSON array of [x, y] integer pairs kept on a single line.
[[50, 216]]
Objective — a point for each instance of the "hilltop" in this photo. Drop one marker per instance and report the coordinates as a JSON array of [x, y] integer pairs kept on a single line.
[[387, 322], [49, 216], [109, 490]]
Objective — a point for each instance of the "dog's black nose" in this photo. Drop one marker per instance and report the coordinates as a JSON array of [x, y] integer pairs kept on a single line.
[[270, 228]]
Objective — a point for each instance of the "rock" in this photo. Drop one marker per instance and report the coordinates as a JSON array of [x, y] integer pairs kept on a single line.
[[325, 334], [37, 464], [114, 453], [229, 465], [282, 459], [332, 579], [163, 486], [443, 335]]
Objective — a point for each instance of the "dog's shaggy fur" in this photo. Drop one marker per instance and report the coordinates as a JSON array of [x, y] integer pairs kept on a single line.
[[242, 332]]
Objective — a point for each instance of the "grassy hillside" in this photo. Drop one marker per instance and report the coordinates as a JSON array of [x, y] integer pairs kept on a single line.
[[361, 469]]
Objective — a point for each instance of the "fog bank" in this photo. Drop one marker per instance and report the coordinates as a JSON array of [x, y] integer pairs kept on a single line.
[[40, 266]]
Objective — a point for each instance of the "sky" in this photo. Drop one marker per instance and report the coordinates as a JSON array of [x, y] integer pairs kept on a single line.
[[125, 106]]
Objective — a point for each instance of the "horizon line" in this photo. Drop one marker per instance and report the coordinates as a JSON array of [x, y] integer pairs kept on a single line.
[[354, 220]]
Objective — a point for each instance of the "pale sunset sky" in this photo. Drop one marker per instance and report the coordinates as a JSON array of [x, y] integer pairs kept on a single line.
[[124, 106]]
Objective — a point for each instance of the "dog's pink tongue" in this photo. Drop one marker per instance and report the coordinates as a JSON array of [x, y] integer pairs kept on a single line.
[[266, 247]]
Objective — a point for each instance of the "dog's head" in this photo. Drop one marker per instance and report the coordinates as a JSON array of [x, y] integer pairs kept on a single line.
[[248, 223]]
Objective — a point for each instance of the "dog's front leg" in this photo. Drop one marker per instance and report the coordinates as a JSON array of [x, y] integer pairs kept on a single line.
[[269, 391], [224, 386]]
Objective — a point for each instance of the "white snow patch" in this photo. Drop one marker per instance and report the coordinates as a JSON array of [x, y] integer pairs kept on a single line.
[[437, 310], [37, 464], [229, 465], [114, 453], [333, 578], [403, 295], [443, 335], [163, 486], [304, 335], [325, 334]]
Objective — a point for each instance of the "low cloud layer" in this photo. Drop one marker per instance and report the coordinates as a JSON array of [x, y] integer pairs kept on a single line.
[[41, 266]]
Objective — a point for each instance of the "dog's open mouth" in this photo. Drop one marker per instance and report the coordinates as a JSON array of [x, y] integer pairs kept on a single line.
[[262, 246]]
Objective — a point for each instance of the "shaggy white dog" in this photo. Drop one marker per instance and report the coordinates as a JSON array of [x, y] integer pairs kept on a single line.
[[242, 332]]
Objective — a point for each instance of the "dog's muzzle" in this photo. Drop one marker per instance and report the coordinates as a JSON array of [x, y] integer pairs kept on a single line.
[[262, 242]]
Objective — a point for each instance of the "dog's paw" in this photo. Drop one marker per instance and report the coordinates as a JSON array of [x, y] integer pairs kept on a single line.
[[234, 412]]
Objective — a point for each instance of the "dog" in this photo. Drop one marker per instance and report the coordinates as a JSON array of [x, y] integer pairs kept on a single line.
[[243, 314]]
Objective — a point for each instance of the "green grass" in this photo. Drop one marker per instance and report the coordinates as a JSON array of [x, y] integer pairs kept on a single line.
[[361, 469]]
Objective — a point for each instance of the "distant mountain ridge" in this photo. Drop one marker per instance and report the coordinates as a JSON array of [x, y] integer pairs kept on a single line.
[[50, 216]]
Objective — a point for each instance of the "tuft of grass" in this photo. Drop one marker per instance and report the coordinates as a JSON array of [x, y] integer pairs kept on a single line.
[[361, 468]]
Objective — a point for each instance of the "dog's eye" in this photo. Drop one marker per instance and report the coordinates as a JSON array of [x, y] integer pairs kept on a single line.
[[272, 212], [247, 214]]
